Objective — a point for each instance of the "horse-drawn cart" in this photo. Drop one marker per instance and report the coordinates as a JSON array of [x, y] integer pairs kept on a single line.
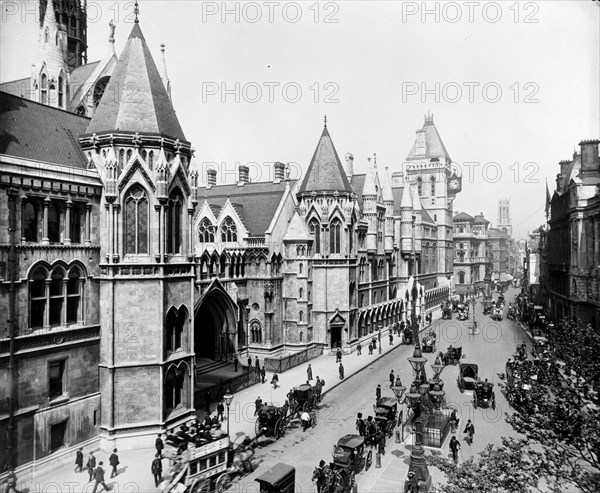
[[281, 478], [386, 414], [467, 376], [271, 421]]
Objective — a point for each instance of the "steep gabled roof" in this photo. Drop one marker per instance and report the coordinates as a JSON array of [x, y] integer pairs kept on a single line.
[[434, 147], [297, 230], [39, 132], [135, 99], [325, 172], [479, 219], [463, 216], [398, 193], [357, 183], [79, 77], [255, 203]]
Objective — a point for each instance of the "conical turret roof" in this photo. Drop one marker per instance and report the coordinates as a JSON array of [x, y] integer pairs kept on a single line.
[[135, 99], [369, 187], [325, 172], [386, 185], [297, 230], [428, 144]]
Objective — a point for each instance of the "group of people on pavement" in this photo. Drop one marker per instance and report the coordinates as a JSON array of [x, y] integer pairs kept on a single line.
[[96, 472], [373, 432]]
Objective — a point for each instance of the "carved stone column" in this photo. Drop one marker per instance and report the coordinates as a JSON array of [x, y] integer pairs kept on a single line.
[[45, 239], [68, 205], [158, 256], [88, 225], [116, 234]]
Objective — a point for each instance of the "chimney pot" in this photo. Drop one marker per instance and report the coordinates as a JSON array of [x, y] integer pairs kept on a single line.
[[211, 177], [244, 172], [278, 171]]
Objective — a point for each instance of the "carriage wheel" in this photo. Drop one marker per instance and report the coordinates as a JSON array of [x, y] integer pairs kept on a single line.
[[475, 402], [279, 429], [305, 406], [257, 429], [493, 401], [313, 420], [369, 460], [202, 486], [223, 482]]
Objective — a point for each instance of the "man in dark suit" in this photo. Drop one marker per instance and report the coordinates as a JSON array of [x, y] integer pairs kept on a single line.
[[159, 446], [99, 477], [79, 460], [157, 470], [113, 460], [91, 465]]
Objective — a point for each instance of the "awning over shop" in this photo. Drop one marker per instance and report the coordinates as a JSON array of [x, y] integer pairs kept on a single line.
[[504, 277]]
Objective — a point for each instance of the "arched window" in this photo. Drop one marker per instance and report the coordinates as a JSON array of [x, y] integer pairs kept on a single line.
[[301, 316], [432, 183], [53, 223], [37, 298], [136, 221], [151, 159], [228, 230], [175, 222], [255, 332], [334, 237], [99, 89], [80, 110], [301, 293], [419, 186], [57, 297], [176, 323], [73, 295], [60, 91], [315, 231], [44, 89], [30, 220], [461, 278], [300, 268], [206, 231], [176, 388], [129, 154], [121, 158]]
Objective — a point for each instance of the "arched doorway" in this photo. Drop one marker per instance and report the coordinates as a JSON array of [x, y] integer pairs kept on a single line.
[[215, 325]]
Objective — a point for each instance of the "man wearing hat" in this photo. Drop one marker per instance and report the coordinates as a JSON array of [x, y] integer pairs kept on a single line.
[[113, 460], [79, 460], [159, 445], [99, 477], [91, 465], [157, 470]]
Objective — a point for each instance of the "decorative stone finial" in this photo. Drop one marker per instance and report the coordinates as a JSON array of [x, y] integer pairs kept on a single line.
[[136, 11], [112, 26]]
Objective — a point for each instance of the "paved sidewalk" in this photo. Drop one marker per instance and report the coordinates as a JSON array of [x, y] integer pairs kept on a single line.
[[134, 472]]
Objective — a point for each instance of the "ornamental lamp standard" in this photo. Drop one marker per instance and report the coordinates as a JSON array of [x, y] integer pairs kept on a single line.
[[417, 361], [437, 395], [418, 467], [228, 397]]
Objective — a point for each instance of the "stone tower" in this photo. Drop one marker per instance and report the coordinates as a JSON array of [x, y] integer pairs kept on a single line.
[[504, 219], [147, 271]]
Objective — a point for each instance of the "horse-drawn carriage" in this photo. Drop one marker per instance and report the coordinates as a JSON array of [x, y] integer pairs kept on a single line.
[[386, 414], [407, 335], [208, 467], [281, 478], [452, 356], [447, 311], [488, 305], [271, 421], [463, 311], [349, 458], [496, 314], [484, 395], [521, 352], [520, 376], [306, 396], [467, 376], [511, 314], [541, 348], [428, 345]]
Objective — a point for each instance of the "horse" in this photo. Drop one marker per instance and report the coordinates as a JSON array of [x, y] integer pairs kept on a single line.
[[328, 480], [242, 456]]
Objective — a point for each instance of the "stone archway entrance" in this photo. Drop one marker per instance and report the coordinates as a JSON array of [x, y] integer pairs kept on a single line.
[[215, 325]]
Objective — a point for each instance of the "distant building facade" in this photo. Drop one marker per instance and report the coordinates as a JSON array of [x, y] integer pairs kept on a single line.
[[471, 262]]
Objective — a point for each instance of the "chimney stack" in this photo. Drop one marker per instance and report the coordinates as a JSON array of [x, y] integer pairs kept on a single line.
[[244, 174], [349, 165], [211, 177], [589, 158], [278, 172]]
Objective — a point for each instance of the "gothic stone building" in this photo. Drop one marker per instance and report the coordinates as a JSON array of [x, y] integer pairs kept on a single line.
[[121, 275]]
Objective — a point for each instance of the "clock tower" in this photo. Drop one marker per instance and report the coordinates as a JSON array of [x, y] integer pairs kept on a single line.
[[429, 166]]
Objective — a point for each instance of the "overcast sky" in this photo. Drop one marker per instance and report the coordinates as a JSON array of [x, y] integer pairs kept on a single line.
[[513, 86]]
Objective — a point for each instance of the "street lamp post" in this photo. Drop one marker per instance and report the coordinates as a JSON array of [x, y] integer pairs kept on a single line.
[[228, 397], [418, 466], [398, 391], [473, 301]]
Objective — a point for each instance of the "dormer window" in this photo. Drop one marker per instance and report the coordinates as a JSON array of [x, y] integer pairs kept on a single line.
[[228, 230], [206, 232]]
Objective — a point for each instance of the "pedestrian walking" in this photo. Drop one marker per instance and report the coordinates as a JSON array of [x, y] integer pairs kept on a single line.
[[305, 418], [220, 410], [378, 392], [249, 363], [371, 347], [309, 372], [338, 356], [391, 336], [257, 405], [358, 349], [257, 364], [360, 424], [79, 460], [159, 445], [263, 374], [454, 446], [381, 442], [341, 370], [157, 470], [275, 381], [113, 460], [470, 431], [91, 465], [11, 482], [374, 342], [392, 378], [235, 364], [99, 477]]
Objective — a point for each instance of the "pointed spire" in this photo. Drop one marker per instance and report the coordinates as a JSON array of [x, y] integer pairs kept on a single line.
[[369, 187], [325, 121], [163, 71], [136, 11], [406, 202], [386, 185]]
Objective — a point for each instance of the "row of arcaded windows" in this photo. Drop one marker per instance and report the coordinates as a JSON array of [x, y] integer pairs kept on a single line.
[[52, 220], [335, 228], [207, 231]]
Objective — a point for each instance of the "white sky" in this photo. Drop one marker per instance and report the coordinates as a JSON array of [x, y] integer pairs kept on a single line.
[[360, 71]]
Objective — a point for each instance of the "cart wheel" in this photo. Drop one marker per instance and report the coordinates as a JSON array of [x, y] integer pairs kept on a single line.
[[257, 428], [279, 429], [305, 406], [494, 402], [202, 486], [369, 460], [475, 403], [223, 482]]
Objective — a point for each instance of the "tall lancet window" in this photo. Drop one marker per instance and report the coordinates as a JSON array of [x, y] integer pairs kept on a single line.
[[334, 237], [60, 91], [206, 232], [136, 221], [174, 222], [315, 231], [44, 88]]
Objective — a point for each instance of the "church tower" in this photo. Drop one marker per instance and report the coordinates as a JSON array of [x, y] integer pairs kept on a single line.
[[147, 271], [49, 73], [429, 168], [327, 205], [504, 219]]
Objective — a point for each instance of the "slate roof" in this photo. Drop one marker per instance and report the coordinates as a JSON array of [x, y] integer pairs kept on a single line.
[[357, 182], [255, 203], [325, 172], [148, 109], [79, 76], [19, 87], [397, 193], [435, 148], [39, 132], [297, 230], [463, 216], [425, 217], [481, 220]]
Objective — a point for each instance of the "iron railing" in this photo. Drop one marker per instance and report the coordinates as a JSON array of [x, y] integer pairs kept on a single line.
[[279, 365]]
